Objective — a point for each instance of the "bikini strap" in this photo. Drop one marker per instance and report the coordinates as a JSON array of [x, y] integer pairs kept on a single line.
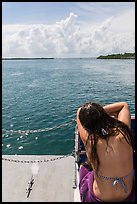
[[116, 179]]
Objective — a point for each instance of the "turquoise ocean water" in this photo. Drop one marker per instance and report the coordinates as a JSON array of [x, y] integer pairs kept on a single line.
[[42, 96]]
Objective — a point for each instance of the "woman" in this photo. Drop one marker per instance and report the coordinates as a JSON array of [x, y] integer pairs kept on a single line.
[[108, 175]]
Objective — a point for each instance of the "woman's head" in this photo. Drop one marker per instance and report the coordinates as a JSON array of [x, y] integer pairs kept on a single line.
[[94, 118]]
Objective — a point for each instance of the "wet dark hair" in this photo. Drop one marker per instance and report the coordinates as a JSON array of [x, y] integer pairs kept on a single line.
[[100, 124]]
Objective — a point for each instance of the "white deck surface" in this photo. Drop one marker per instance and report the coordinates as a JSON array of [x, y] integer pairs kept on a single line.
[[53, 180]]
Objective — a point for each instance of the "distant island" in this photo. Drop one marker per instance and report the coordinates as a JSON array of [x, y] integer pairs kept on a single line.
[[27, 58], [118, 56]]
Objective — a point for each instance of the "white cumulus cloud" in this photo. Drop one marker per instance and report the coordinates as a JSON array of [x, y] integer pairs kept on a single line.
[[66, 39]]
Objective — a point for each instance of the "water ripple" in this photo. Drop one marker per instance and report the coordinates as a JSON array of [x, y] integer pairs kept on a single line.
[[44, 93]]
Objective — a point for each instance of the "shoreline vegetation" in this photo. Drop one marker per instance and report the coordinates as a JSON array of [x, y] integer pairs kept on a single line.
[[112, 56], [118, 56]]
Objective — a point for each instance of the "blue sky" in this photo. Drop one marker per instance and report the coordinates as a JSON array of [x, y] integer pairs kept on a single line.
[[67, 29]]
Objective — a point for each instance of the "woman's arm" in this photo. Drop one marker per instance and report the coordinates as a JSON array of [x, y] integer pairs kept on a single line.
[[121, 109]]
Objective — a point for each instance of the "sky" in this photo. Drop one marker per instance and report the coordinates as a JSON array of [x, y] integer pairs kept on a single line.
[[67, 29]]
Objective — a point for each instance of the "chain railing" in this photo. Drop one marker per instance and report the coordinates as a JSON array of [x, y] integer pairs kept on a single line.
[[39, 161], [38, 130]]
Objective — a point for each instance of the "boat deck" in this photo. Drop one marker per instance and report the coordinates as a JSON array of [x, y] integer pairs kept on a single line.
[[54, 181]]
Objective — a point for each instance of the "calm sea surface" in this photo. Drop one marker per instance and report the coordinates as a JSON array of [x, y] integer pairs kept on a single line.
[[42, 96]]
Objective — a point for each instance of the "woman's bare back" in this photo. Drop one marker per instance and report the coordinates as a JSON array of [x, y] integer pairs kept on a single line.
[[116, 160]]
